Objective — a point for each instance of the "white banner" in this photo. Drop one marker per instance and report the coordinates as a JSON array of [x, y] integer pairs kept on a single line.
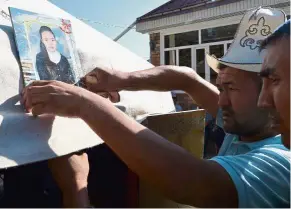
[[25, 139]]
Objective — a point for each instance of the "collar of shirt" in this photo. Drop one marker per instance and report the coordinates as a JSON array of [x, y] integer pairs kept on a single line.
[[236, 147]]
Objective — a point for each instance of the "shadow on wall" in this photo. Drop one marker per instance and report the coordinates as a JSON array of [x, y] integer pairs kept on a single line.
[[17, 133]]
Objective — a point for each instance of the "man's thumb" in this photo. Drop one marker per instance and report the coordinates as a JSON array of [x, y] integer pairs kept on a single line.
[[92, 84]]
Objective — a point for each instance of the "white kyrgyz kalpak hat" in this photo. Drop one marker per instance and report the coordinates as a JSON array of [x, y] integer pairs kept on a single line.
[[255, 26]]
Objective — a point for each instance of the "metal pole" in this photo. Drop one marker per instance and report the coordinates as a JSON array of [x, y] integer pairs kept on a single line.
[[125, 31]]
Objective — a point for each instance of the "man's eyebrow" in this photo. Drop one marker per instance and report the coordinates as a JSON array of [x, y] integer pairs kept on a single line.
[[227, 83], [266, 72]]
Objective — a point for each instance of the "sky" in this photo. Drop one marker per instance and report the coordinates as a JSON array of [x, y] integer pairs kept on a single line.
[[114, 12]]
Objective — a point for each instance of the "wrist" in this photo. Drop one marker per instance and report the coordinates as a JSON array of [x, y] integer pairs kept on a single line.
[[184, 77], [76, 197], [83, 101], [72, 186], [85, 106], [191, 79], [123, 81], [89, 104], [73, 189]]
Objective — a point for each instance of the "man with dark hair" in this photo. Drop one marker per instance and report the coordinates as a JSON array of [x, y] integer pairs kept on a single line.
[[252, 168], [276, 78]]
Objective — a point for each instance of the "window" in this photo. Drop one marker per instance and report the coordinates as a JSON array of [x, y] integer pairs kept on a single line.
[[185, 57], [222, 33], [170, 57], [182, 39], [200, 62], [170, 41], [217, 51], [228, 45]]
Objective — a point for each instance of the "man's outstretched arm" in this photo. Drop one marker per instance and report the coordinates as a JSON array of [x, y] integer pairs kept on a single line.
[[71, 175], [166, 166], [162, 78]]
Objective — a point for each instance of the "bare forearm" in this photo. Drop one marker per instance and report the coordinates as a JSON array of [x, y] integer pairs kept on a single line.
[[76, 198], [143, 151], [204, 94], [162, 78], [168, 78], [166, 166]]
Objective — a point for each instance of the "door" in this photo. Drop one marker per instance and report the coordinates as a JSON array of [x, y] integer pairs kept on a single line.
[[185, 57], [200, 62], [218, 51]]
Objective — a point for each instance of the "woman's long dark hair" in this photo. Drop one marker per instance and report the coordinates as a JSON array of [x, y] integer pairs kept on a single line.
[[43, 49]]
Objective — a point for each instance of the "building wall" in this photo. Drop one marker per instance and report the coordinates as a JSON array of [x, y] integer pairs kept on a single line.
[[198, 20], [155, 48]]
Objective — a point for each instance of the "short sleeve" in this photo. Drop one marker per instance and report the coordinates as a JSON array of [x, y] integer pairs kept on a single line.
[[261, 177]]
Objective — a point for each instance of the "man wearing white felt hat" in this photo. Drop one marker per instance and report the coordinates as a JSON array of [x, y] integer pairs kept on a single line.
[[244, 52], [252, 168]]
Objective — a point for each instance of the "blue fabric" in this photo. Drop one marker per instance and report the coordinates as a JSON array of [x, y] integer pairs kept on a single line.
[[208, 118], [178, 108], [260, 170]]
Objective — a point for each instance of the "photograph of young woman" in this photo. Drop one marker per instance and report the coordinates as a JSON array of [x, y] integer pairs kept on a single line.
[[50, 63]]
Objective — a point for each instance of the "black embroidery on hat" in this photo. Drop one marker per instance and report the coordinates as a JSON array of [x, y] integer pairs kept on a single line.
[[259, 27]]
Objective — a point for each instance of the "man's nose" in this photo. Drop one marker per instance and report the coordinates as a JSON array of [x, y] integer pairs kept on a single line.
[[223, 100], [265, 98]]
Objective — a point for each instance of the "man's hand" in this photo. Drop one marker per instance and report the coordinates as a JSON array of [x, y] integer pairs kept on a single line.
[[105, 82], [53, 97], [113, 96], [71, 173]]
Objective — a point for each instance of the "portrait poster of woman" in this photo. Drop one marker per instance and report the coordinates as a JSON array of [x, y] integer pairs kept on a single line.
[[46, 47]]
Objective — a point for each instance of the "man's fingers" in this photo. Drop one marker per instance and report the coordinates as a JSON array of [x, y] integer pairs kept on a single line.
[[92, 73], [103, 94], [42, 89], [40, 109], [35, 96], [37, 109], [40, 83], [36, 87], [94, 86], [39, 98], [114, 97], [90, 79], [27, 102]]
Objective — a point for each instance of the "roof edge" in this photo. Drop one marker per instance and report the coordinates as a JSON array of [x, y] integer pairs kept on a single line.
[[183, 9]]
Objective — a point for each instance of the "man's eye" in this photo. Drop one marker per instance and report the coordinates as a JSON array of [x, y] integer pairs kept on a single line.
[[274, 80], [232, 89]]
